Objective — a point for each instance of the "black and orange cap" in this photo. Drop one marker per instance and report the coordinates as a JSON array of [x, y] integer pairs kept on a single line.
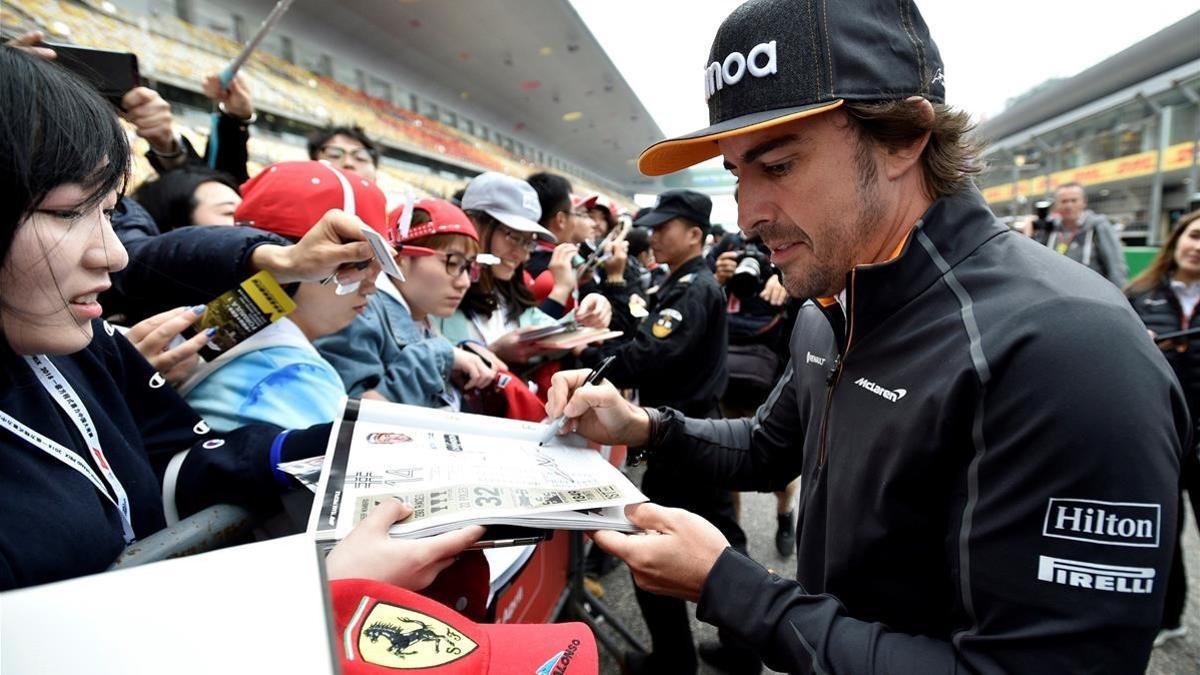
[[775, 61]]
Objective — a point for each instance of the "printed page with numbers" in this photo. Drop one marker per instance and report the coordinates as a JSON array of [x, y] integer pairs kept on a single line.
[[457, 469]]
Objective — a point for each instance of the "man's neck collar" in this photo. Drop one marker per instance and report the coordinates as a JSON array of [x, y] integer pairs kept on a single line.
[[678, 269], [908, 212]]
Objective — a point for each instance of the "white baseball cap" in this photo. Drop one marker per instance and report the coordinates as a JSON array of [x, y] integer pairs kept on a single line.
[[509, 200]]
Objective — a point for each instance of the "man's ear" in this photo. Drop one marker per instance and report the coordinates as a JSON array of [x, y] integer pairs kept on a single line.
[[900, 159], [558, 224]]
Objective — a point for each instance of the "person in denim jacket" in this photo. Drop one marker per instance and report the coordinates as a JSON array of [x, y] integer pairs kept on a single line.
[[390, 352]]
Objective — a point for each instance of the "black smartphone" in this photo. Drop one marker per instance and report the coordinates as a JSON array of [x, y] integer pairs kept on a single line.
[[113, 73], [499, 536]]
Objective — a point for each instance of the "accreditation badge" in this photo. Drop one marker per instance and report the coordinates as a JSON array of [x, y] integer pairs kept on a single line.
[[666, 323]]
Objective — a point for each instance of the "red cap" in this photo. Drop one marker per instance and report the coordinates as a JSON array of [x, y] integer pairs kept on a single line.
[[586, 202], [445, 218], [599, 201], [509, 397], [383, 628], [288, 198]]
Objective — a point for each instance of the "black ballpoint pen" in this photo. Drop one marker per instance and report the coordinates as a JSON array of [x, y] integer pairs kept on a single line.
[[593, 377]]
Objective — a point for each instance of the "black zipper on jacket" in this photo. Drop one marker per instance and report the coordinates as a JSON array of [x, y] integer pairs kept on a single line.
[[836, 375]]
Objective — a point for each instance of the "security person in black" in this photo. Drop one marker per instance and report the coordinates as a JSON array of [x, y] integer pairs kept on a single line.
[[677, 359]]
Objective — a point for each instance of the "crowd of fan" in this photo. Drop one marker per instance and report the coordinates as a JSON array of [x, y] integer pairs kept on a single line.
[[110, 278], [177, 51]]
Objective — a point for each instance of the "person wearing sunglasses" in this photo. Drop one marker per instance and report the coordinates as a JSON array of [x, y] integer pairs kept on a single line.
[[390, 352], [347, 147]]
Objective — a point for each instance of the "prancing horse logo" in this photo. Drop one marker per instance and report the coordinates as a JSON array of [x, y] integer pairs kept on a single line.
[[399, 637]]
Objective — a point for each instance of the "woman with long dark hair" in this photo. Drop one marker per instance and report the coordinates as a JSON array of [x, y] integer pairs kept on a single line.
[[97, 451], [499, 305], [1166, 295]]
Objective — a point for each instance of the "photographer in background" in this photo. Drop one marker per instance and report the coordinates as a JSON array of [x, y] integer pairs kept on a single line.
[[758, 312], [1039, 226], [1085, 236]]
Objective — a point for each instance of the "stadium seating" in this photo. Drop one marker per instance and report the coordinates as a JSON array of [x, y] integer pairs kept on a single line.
[[179, 53]]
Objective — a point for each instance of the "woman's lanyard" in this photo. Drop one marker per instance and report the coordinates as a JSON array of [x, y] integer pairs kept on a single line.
[[64, 395]]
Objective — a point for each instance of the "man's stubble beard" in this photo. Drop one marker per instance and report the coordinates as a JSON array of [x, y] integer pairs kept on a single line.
[[834, 256]]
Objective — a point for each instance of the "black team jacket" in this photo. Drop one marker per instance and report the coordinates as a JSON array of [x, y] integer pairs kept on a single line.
[[989, 449]]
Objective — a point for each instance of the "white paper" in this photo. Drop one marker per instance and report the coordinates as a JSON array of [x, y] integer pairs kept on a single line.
[[383, 252], [257, 608], [456, 469]]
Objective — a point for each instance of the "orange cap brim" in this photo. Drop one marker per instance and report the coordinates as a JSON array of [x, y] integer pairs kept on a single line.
[[675, 154]]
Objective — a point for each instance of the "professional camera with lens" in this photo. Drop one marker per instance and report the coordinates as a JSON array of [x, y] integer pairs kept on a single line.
[[753, 268], [1043, 227]]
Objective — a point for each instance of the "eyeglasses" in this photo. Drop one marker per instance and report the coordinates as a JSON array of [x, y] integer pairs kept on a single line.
[[528, 243], [457, 263], [336, 153]]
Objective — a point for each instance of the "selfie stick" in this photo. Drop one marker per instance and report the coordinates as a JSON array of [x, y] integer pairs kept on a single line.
[[227, 74]]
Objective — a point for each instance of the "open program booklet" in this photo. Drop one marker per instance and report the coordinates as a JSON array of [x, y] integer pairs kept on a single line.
[[456, 469]]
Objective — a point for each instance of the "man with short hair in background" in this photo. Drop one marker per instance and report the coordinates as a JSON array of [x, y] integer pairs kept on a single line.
[[347, 147], [1086, 236]]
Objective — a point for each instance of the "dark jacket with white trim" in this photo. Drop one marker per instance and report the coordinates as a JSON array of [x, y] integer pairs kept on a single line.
[[977, 377], [1160, 310], [186, 266], [56, 525]]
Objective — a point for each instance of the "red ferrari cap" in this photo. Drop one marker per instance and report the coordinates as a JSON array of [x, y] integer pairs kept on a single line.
[[383, 628]]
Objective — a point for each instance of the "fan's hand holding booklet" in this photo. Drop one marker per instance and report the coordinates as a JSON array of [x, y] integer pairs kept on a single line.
[[456, 469]]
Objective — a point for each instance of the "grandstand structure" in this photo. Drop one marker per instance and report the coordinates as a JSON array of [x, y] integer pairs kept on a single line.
[[449, 88], [1126, 128]]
